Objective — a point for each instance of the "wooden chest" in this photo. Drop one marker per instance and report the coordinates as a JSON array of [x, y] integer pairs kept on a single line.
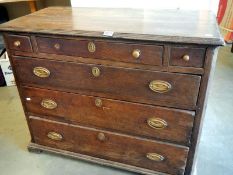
[[120, 87]]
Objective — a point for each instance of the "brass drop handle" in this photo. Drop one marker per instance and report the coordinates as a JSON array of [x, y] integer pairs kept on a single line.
[[54, 136], [41, 72], [91, 47], [136, 53], [17, 43], [95, 71], [57, 46], [98, 102], [155, 157], [101, 136], [48, 104], [157, 123], [160, 86], [186, 57]]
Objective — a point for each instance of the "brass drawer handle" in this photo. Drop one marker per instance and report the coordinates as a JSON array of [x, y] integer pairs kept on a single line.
[[155, 157], [91, 47], [41, 72], [160, 86], [157, 123], [98, 102], [57, 46], [17, 43], [101, 136], [186, 57], [54, 136], [95, 71], [136, 53], [48, 104]]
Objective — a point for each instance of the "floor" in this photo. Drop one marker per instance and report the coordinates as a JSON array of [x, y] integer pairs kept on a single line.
[[215, 156]]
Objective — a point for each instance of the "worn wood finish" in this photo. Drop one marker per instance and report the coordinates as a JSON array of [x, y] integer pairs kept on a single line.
[[22, 43], [123, 62], [133, 87], [116, 51], [106, 113], [175, 26], [113, 115], [211, 57], [165, 68], [115, 147], [195, 56], [33, 147]]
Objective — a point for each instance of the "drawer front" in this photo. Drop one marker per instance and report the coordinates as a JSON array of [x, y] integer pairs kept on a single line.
[[21, 43], [148, 154], [164, 89], [131, 118], [187, 57], [123, 52]]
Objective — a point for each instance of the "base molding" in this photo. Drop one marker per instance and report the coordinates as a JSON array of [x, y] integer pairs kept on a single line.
[[33, 147]]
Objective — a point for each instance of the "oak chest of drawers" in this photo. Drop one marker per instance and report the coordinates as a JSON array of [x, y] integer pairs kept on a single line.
[[120, 87]]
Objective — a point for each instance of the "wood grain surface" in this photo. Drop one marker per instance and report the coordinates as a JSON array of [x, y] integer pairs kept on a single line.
[[24, 43], [116, 51], [114, 115], [33, 147], [116, 147], [175, 26], [116, 132], [196, 56], [117, 83]]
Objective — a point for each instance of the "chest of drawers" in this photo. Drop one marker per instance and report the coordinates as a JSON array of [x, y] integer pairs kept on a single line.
[[134, 99]]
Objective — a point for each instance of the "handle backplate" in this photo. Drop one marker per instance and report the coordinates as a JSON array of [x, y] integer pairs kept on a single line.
[[54, 136], [48, 104], [160, 86], [41, 72], [155, 157], [156, 123]]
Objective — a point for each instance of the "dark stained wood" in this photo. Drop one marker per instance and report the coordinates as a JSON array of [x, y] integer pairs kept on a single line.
[[196, 56], [116, 51], [177, 26], [163, 38], [33, 147], [115, 147], [113, 115], [110, 61], [210, 62], [24, 43], [17, 84], [175, 69], [133, 87]]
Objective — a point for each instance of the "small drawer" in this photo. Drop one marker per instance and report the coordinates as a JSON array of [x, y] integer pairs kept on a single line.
[[153, 155], [157, 88], [153, 122], [115, 51], [187, 57], [17, 42]]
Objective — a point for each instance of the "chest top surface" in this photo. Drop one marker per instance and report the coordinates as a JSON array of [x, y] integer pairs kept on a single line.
[[176, 26]]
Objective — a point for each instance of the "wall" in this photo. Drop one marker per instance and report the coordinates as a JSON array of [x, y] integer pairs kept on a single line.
[[21, 8]]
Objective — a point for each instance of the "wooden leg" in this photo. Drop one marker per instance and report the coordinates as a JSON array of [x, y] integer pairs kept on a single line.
[[32, 5], [34, 150]]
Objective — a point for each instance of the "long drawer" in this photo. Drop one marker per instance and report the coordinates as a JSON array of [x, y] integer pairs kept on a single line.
[[157, 88], [144, 153], [132, 118], [116, 51]]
